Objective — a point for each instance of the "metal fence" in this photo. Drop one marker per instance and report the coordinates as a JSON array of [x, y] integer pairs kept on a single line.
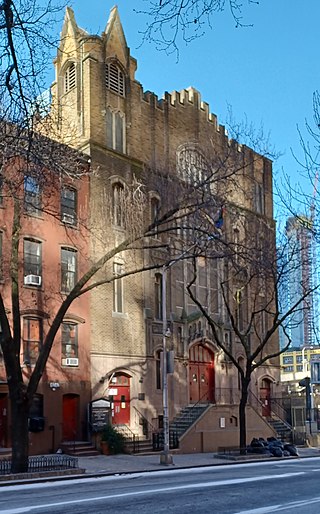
[[158, 440], [38, 464]]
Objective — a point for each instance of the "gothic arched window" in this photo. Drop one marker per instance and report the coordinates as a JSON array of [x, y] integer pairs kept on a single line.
[[115, 79], [192, 166], [70, 77]]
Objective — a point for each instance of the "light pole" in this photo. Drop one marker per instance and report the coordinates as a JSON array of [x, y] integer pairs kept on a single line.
[[305, 361], [165, 456], [309, 388]]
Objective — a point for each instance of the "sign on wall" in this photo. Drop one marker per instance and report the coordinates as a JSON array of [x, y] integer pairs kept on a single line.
[[99, 414]]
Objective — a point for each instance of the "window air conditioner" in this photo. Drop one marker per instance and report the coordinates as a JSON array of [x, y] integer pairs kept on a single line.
[[71, 361], [32, 280], [68, 218]]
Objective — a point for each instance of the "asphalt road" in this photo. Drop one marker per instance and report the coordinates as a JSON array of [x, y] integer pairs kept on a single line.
[[278, 486]]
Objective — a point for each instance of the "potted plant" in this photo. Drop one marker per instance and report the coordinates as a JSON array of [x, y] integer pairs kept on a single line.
[[112, 441]]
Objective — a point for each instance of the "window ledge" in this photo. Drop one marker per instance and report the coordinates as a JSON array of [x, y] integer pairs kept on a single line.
[[69, 225], [122, 315]]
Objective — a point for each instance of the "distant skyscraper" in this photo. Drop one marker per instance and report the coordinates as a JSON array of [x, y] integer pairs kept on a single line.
[[298, 263]]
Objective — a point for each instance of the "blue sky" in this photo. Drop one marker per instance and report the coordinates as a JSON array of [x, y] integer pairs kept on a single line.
[[267, 72]]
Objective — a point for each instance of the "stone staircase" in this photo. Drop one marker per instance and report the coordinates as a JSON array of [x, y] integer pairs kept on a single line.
[[283, 429], [186, 417], [139, 444], [79, 448], [135, 443]]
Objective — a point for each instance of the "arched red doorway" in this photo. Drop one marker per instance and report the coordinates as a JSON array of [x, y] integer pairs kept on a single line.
[[119, 394], [265, 397], [70, 417], [201, 374]]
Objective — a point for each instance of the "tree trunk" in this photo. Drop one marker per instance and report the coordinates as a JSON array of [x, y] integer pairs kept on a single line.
[[20, 436], [242, 415]]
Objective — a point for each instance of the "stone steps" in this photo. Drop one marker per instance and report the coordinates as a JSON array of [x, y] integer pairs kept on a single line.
[[79, 448], [283, 431]]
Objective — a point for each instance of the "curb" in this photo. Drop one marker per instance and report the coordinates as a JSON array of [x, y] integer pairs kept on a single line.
[[82, 475]]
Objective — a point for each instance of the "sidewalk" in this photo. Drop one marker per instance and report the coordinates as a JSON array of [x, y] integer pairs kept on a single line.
[[111, 464]]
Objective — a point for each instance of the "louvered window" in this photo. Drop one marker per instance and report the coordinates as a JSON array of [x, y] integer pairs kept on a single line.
[[115, 79], [70, 78]]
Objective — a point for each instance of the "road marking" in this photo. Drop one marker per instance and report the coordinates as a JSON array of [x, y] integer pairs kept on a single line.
[[280, 507], [216, 483]]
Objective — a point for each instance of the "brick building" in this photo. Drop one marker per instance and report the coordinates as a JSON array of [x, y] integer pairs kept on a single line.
[[53, 251], [101, 109]]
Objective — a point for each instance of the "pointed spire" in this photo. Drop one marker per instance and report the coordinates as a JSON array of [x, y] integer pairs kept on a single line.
[[70, 21], [114, 23]]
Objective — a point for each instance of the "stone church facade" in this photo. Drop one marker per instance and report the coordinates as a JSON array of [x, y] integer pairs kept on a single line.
[[101, 109]]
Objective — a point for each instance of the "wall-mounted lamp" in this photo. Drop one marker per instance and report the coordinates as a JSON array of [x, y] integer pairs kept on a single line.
[[54, 385]]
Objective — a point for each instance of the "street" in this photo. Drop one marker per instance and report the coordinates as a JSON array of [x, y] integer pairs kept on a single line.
[[290, 486]]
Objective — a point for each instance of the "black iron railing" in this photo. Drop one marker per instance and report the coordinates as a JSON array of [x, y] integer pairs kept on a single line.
[[129, 435], [147, 427], [158, 440], [43, 463]]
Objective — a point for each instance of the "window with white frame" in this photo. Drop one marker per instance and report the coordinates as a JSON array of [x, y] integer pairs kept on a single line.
[[32, 262], [69, 343], [70, 77], [115, 130], [115, 79], [68, 269], [68, 205], [32, 339], [32, 195], [118, 288]]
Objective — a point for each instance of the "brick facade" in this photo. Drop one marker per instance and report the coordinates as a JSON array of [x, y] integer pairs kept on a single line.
[[127, 131]]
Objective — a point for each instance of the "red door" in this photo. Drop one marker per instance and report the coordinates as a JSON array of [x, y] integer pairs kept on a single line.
[[70, 417], [3, 420], [265, 398], [120, 399], [201, 374]]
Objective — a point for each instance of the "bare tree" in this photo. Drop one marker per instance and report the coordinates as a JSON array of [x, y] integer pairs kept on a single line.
[[253, 302], [175, 20]]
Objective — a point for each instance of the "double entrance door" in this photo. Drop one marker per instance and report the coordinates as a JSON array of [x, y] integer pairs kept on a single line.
[[201, 374]]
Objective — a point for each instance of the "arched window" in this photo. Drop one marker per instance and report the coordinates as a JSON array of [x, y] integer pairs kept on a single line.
[[70, 78], [192, 167], [115, 130], [118, 287], [155, 208], [117, 204], [236, 242], [115, 79]]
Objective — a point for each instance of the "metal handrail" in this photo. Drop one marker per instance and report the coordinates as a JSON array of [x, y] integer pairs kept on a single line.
[[271, 410], [132, 435], [152, 427], [187, 414]]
